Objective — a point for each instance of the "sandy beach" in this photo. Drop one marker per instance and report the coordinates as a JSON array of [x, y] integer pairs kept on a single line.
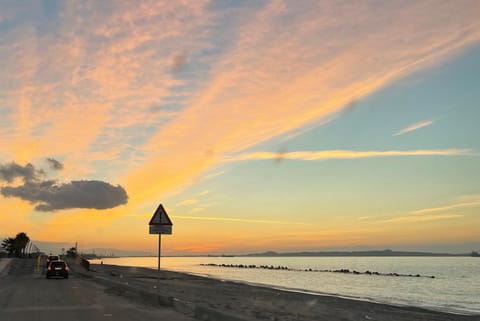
[[251, 302]]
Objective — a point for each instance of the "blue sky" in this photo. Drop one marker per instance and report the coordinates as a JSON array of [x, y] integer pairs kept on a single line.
[[445, 94]]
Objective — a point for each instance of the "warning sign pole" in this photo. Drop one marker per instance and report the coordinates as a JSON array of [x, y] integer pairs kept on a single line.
[[159, 250], [160, 224], [159, 255]]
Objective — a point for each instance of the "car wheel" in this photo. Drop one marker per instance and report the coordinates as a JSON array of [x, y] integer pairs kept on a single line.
[[48, 277], [66, 276]]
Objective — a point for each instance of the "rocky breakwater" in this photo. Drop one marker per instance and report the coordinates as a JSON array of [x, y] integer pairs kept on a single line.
[[344, 271]]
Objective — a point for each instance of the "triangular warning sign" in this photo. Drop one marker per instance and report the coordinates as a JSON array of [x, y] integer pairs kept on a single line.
[[160, 217]]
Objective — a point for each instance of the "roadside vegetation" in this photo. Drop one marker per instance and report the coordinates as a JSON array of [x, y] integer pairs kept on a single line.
[[19, 246]]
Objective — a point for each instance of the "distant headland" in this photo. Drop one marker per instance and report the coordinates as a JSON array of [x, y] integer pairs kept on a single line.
[[360, 253]]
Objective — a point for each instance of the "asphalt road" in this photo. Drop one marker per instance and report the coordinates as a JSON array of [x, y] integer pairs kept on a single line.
[[25, 294]]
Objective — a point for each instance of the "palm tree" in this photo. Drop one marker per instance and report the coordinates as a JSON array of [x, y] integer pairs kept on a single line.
[[16, 245], [21, 242]]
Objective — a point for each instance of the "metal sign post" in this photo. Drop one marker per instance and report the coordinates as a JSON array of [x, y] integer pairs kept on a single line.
[[160, 224], [159, 255], [159, 250]]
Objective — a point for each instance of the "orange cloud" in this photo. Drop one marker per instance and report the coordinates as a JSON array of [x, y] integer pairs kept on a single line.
[[273, 80], [424, 218], [68, 101]]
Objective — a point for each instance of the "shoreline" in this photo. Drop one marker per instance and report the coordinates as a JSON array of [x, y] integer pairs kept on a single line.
[[364, 299], [334, 295], [262, 302], [396, 301]]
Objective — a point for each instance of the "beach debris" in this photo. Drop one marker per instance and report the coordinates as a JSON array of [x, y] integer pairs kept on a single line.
[[286, 268]]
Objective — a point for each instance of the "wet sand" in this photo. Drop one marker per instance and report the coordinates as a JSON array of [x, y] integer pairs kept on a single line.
[[262, 303]]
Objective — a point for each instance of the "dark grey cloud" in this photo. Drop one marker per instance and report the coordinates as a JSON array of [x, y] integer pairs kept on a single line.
[[10, 171], [54, 164], [50, 196]]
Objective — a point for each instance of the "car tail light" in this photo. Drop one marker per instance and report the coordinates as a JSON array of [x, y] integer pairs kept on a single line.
[[49, 268], [66, 268]]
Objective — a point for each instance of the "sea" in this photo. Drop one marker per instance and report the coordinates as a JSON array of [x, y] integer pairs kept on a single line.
[[455, 287]]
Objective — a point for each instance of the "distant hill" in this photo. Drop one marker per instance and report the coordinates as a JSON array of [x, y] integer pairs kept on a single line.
[[355, 253]]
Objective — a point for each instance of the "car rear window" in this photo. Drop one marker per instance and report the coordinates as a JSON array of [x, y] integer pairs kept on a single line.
[[53, 258], [58, 264]]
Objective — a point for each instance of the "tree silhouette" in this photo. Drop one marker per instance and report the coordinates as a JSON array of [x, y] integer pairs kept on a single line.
[[72, 252], [21, 242], [17, 245], [9, 245]]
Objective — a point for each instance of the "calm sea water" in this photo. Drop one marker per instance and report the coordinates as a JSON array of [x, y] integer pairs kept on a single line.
[[455, 288]]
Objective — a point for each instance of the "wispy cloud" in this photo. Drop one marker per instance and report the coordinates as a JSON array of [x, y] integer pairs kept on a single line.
[[423, 218], [237, 220], [362, 218], [468, 198], [214, 174], [413, 127], [188, 202], [446, 208], [202, 193], [226, 219], [109, 64], [259, 87], [347, 154]]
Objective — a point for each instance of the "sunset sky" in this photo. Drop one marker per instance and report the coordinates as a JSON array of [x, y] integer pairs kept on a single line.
[[259, 125]]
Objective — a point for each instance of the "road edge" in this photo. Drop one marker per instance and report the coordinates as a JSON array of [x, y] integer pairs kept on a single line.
[[4, 264]]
